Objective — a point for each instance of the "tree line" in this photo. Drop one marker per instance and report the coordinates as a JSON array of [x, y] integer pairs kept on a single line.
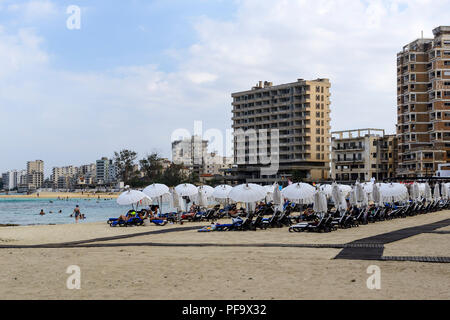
[[150, 170]]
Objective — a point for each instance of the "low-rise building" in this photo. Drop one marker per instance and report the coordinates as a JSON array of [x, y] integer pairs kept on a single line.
[[363, 154]]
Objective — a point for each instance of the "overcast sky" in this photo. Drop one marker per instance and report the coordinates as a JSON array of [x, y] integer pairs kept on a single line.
[[137, 70]]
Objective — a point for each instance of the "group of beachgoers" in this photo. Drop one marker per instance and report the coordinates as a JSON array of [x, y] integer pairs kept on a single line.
[[76, 213], [134, 217]]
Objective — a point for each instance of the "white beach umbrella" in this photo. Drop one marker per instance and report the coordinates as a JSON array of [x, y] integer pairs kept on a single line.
[[428, 194], [320, 202], [338, 197], [415, 191], [277, 195], [206, 190], [247, 193], [444, 191], [437, 192], [345, 189], [201, 198], [269, 192], [359, 192], [352, 197], [156, 190], [393, 192], [186, 190], [376, 194], [147, 201], [269, 189], [368, 189], [130, 197], [327, 189], [176, 201], [222, 191], [300, 193]]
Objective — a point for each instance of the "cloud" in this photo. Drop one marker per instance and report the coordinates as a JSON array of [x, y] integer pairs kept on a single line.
[[33, 10], [69, 117]]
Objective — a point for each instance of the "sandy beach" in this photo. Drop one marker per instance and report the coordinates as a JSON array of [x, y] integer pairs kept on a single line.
[[218, 265], [55, 195]]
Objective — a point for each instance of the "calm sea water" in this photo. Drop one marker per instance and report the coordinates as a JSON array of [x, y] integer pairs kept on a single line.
[[26, 211]]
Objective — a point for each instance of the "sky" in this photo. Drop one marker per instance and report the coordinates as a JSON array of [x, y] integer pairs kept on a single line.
[[136, 71]]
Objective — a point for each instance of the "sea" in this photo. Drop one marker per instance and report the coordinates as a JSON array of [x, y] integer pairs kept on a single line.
[[22, 211]]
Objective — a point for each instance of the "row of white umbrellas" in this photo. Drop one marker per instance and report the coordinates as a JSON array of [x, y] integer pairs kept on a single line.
[[300, 193]]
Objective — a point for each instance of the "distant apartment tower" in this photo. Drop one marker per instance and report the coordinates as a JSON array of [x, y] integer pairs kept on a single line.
[[64, 177], [363, 154], [106, 171], [214, 164], [35, 174], [423, 99], [191, 152], [300, 111], [10, 180]]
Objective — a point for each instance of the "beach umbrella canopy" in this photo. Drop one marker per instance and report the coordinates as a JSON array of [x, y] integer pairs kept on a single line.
[[130, 197], [367, 186], [156, 190], [320, 202], [247, 193], [206, 190], [345, 189], [300, 193], [393, 192], [222, 191], [186, 190], [147, 201], [437, 192], [269, 189], [328, 189]]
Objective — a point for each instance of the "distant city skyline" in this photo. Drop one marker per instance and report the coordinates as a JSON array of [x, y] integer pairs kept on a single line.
[[137, 71]]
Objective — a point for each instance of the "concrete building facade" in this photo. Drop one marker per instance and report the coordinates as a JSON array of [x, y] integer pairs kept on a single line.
[[35, 174], [423, 104], [191, 152], [291, 124], [363, 154]]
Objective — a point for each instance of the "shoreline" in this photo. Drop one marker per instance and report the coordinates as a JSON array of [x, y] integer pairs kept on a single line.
[[63, 195]]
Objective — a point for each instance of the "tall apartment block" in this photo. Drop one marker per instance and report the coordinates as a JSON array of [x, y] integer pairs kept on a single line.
[[191, 152], [105, 171], [423, 99], [363, 154], [35, 174], [300, 111]]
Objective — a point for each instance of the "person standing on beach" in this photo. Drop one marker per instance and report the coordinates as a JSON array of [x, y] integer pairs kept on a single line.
[[77, 213]]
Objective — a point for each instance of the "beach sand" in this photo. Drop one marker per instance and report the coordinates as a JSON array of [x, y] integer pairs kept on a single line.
[[186, 272]]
